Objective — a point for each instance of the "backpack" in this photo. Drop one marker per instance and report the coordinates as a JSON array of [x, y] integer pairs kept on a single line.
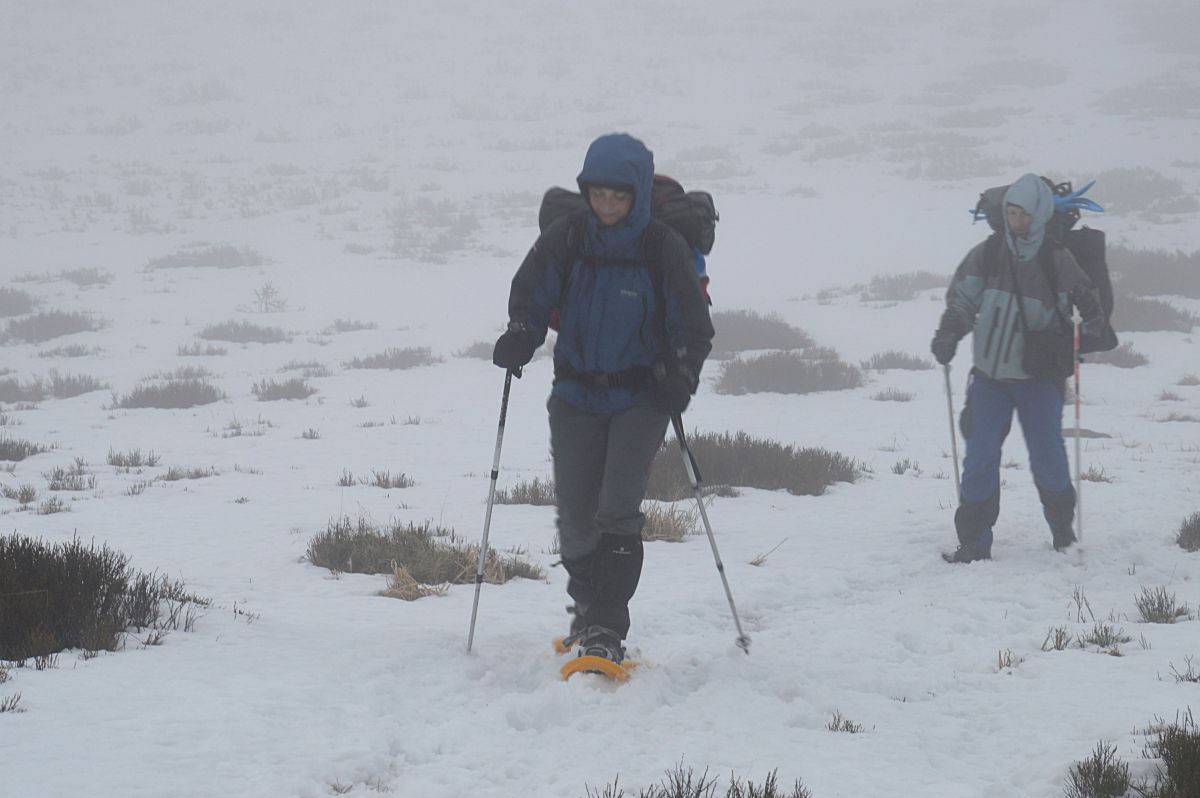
[[692, 214], [1086, 244]]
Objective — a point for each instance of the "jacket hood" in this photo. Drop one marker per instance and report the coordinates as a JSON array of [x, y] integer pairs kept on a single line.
[[618, 160], [1031, 193]]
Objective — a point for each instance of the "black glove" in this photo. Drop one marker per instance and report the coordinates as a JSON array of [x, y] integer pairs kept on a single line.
[[515, 347], [944, 345], [945, 339], [672, 393], [1089, 306]]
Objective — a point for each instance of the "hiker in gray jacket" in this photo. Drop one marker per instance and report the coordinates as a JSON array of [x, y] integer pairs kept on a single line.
[[1015, 292]]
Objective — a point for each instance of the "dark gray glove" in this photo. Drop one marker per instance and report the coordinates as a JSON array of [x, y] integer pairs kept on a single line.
[[514, 348]]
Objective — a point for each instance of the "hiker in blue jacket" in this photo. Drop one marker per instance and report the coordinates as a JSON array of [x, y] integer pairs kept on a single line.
[[633, 333], [1002, 292]]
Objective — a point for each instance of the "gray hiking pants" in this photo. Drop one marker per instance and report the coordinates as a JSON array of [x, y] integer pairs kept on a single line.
[[601, 467]]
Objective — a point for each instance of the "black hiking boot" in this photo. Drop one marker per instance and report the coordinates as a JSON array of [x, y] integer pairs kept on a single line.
[[1063, 538], [598, 641], [965, 554]]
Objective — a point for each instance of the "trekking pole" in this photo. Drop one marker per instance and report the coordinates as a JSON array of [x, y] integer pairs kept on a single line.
[[487, 520], [953, 434], [689, 464], [1076, 318]]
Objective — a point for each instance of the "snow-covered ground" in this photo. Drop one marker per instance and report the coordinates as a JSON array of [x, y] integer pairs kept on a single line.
[[386, 162]]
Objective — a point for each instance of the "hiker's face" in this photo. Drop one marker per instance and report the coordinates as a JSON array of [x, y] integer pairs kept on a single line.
[[1019, 220], [611, 205]]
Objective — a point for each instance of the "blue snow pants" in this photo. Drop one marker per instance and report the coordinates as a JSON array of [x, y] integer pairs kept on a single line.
[[986, 421]]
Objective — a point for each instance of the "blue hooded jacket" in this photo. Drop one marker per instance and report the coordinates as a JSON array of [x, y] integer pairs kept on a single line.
[[617, 310]]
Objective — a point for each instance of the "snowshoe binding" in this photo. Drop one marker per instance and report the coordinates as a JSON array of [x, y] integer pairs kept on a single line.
[[600, 652]]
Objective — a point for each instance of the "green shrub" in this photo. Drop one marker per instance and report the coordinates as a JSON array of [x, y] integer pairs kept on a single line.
[[15, 449], [243, 332], [893, 359], [50, 324], [14, 303], [65, 386], [902, 287], [1123, 357], [395, 359], [13, 391], [1135, 314], [537, 492], [295, 388], [431, 555], [739, 460], [786, 372], [173, 394], [219, 256], [1158, 605], [1188, 537], [1102, 775], [681, 783], [1177, 746], [68, 595], [742, 330], [1155, 272]]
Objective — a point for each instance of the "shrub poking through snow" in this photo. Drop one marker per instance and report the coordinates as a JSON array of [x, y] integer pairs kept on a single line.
[[1189, 533], [1101, 775], [22, 494], [350, 325], [176, 473], [172, 394], [739, 460], [14, 303], [895, 359], [1136, 314], [85, 278], [786, 372], [132, 459], [478, 350], [902, 287], [71, 595], [1104, 635], [388, 480], [681, 783], [66, 386], [743, 330], [1093, 474], [13, 391], [1158, 605], [430, 555], [1151, 272], [219, 256], [538, 492], [1123, 357], [243, 332], [1177, 746], [50, 324], [839, 724], [670, 522], [1189, 380], [892, 395], [198, 349], [16, 449], [1057, 639], [74, 478], [295, 388], [395, 359]]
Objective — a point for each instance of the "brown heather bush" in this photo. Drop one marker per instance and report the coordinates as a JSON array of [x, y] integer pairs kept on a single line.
[[173, 394], [430, 555], [1188, 537], [538, 492], [218, 256], [16, 449], [743, 330], [1102, 775], [681, 783], [243, 332], [395, 359], [68, 595], [14, 303], [740, 461], [1123, 357], [786, 372], [270, 390], [902, 287], [50, 324], [1155, 272], [1136, 314]]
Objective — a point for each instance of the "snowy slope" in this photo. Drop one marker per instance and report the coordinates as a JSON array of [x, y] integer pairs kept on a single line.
[[386, 161]]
